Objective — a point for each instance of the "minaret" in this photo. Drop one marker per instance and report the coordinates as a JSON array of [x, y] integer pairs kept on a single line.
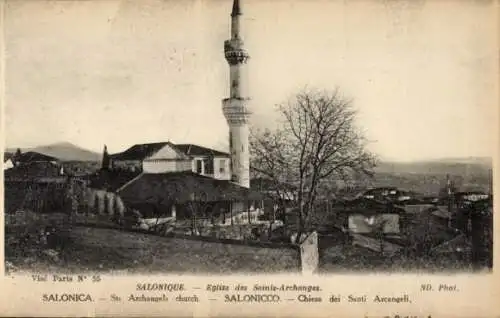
[[235, 107]]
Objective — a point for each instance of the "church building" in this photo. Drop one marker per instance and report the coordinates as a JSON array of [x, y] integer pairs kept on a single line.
[[164, 176], [163, 157]]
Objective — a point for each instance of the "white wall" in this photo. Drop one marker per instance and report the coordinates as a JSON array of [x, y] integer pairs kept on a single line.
[[167, 159], [222, 162], [167, 152], [240, 154], [359, 223], [218, 163], [104, 202], [161, 166], [8, 164]]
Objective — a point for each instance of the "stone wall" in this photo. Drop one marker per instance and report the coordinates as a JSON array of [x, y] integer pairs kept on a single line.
[[236, 232], [103, 202], [417, 208]]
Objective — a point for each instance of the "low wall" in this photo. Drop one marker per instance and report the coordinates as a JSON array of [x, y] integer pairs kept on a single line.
[[103, 202], [143, 252], [418, 208], [236, 232]]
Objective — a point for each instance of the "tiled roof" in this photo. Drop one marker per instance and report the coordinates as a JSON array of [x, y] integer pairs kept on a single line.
[[7, 156], [111, 180], [32, 156], [266, 184], [81, 167], [182, 187], [458, 244], [139, 151], [34, 170], [195, 150], [143, 151], [441, 212], [370, 206]]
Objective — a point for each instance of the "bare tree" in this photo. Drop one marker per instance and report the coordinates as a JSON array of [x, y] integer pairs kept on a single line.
[[315, 142]]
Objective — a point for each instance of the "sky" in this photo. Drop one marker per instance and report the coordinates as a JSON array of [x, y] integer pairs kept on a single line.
[[422, 74]]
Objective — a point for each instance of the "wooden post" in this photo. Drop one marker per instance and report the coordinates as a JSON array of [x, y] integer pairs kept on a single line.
[[275, 207], [248, 212], [231, 211]]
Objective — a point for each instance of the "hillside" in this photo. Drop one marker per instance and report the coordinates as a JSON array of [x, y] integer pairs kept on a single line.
[[471, 166], [64, 151], [452, 166]]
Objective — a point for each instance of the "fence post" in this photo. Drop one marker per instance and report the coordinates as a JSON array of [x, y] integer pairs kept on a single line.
[[309, 254]]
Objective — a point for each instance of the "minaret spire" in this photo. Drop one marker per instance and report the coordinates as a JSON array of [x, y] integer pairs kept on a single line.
[[236, 8], [235, 107]]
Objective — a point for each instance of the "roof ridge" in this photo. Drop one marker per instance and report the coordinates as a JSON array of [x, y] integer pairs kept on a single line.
[[150, 143], [129, 182], [180, 152]]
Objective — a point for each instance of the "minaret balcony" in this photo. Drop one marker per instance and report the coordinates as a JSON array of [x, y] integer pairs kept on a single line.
[[235, 110], [234, 52], [236, 57]]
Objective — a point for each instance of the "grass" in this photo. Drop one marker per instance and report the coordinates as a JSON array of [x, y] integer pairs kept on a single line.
[[352, 259], [111, 250]]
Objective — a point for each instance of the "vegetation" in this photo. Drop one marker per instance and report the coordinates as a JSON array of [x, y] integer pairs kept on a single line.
[[316, 141]]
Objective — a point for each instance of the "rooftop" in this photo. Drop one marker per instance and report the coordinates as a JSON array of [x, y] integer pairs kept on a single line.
[[139, 151], [7, 156], [182, 187], [195, 150], [111, 180], [33, 170], [31, 156], [369, 207], [266, 184], [142, 151]]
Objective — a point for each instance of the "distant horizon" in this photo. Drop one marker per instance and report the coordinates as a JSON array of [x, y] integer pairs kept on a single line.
[[421, 74], [385, 160]]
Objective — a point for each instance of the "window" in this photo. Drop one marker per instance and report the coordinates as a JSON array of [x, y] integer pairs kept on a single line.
[[199, 166], [209, 165], [222, 166]]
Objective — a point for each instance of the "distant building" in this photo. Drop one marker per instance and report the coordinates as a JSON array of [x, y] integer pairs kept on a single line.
[[30, 157], [273, 189], [8, 161], [164, 157], [381, 193], [37, 186], [364, 216], [391, 194]]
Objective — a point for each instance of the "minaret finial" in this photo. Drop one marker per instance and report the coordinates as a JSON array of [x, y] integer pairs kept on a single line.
[[236, 8]]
